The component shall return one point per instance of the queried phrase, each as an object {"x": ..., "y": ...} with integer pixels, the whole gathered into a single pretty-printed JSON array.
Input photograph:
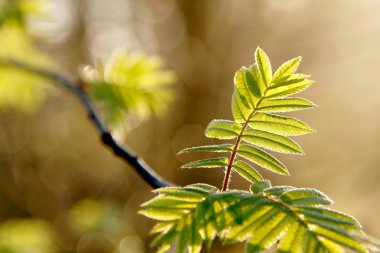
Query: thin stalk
[{"x": 227, "y": 175}]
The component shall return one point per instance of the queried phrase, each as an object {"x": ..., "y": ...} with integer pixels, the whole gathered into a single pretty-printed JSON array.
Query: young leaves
[
  {"x": 130, "y": 84},
  {"x": 196, "y": 214},
  {"x": 19, "y": 89},
  {"x": 258, "y": 96}
]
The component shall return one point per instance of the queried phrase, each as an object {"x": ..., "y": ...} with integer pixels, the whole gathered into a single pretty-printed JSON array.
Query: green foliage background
[{"x": 50, "y": 160}]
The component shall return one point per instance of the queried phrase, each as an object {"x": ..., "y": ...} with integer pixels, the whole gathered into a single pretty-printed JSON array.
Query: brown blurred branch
[{"x": 137, "y": 163}]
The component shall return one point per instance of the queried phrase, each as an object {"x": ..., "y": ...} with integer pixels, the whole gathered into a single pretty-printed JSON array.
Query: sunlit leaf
[
  {"x": 260, "y": 219},
  {"x": 246, "y": 171},
  {"x": 286, "y": 70},
  {"x": 281, "y": 125},
  {"x": 305, "y": 197},
  {"x": 130, "y": 84},
  {"x": 284, "y": 105},
  {"x": 271, "y": 141},
  {"x": 207, "y": 163},
  {"x": 223, "y": 129},
  {"x": 264, "y": 66},
  {"x": 262, "y": 159},
  {"x": 211, "y": 148}
]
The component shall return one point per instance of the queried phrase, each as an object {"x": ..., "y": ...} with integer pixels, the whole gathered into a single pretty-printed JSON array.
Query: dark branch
[{"x": 138, "y": 164}]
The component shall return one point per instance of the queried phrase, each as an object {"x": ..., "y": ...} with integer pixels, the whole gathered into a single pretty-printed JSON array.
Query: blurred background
[{"x": 62, "y": 191}]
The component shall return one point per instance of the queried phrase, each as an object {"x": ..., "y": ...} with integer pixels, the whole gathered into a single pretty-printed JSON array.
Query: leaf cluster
[
  {"x": 259, "y": 96},
  {"x": 130, "y": 84},
  {"x": 19, "y": 89},
  {"x": 296, "y": 219}
]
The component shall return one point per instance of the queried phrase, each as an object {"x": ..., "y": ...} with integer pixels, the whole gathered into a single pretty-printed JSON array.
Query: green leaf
[
  {"x": 165, "y": 239},
  {"x": 264, "y": 66},
  {"x": 246, "y": 171},
  {"x": 130, "y": 84},
  {"x": 305, "y": 196},
  {"x": 19, "y": 89},
  {"x": 240, "y": 107},
  {"x": 327, "y": 215},
  {"x": 293, "y": 239},
  {"x": 223, "y": 129},
  {"x": 207, "y": 163},
  {"x": 284, "y": 105},
  {"x": 277, "y": 190},
  {"x": 343, "y": 239},
  {"x": 289, "y": 87},
  {"x": 286, "y": 70},
  {"x": 211, "y": 148},
  {"x": 273, "y": 142},
  {"x": 269, "y": 233},
  {"x": 260, "y": 219},
  {"x": 247, "y": 85},
  {"x": 162, "y": 226},
  {"x": 203, "y": 188},
  {"x": 260, "y": 186},
  {"x": 286, "y": 126},
  {"x": 178, "y": 193},
  {"x": 262, "y": 159}
]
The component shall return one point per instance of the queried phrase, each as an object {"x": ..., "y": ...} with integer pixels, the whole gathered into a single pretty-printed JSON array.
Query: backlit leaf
[
  {"x": 305, "y": 197},
  {"x": 207, "y": 163},
  {"x": 211, "y": 148},
  {"x": 284, "y": 105},
  {"x": 281, "y": 125},
  {"x": 264, "y": 66},
  {"x": 286, "y": 69},
  {"x": 271, "y": 141},
  {"x": 246, "y": 171},
  {"x": 262, "y": 159},
  {"x": 223, "y": 129}
]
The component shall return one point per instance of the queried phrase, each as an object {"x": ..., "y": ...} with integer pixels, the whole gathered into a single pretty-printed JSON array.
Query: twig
[{"x": 138, "y": 164}]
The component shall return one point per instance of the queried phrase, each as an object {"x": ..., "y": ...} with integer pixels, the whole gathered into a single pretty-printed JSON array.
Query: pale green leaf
[
  {"x": 260, "y": 186},
  {"x": 284, "y": 105},
  {"x": 270, "y": 141},
  {"x": 240, "y": 107},
  {"x": 168, "y": 203},
  {"x": 207, "y": 163},
  {"x": 247, "y": 85},
  {"x": 211, "y": 148},
  {"x": 130, "y": 84},
  {"x": 259, "y": 79},
  {"x": 293, "y": 239},
  {"x": 286, "y": 69},
  {"x": 181, "y": 194},
  {"x": 203, "y": 188},
  {"x": 262, "y": 159},
  {"x": 246, "y": 171},
  {"x": 162, "y": 226},
  {"x": 269, "y": 233},
  {"x": 288, "y": 87},
  {"x": 286, "y": 126},
  {"x": 304, "y": 196},
  {"x": 264, "y": 66},
  {"x": 254, "y": 218},
  {"x": 223, "y": 129},
  {"x": 331, "y": 246},
  {"x": 328, "y": 215},
  {"x": 277, "y": 190},
  {"x": 340, "y": 238},
  {"x": 164, "y": 239},
  {"x": 163, "y": 214}
]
